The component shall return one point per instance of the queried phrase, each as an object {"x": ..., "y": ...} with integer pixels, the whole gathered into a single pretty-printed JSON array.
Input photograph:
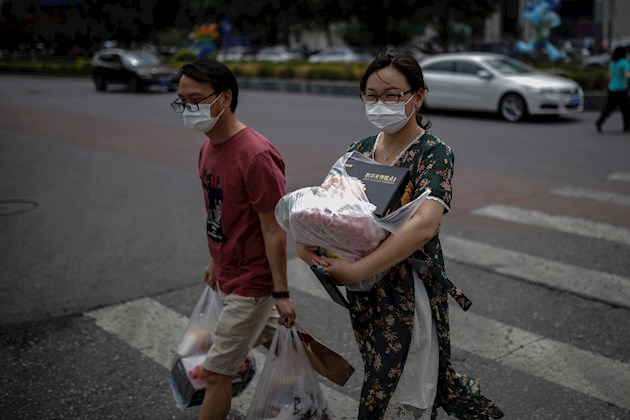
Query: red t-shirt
[{"x": 241, "y": 177}]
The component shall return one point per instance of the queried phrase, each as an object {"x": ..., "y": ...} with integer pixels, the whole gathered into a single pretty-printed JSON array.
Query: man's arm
[{"x": 275, "y": 248}]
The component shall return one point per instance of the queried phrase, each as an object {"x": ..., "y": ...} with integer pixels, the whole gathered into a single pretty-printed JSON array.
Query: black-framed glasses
[
  {"x": 190, "y": 106},
  {"x": 387, "y": 98}
]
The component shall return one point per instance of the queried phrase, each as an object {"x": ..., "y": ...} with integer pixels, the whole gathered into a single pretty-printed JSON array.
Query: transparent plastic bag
[
  {"x": 199, "y": 334},
  {"x": 288, "y": 388},
  {"x": 338, "y": 217}
]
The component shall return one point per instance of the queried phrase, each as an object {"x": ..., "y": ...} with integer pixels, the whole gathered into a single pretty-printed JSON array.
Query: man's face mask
[{"x": 201, "y": 120}]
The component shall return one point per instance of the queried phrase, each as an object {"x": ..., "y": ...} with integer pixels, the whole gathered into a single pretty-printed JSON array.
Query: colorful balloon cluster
[
  {"x": 541, "y": 15},
  {"x": 204, "y": 39}
]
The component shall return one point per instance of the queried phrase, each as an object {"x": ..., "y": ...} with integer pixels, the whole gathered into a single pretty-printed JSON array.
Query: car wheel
[
  {"x": 135, "y": 85},
  {"x": 100, "y": 83},
  {"x": 512, "y": 107}
]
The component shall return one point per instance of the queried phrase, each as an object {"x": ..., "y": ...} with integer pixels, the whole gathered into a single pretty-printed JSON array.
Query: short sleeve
[
  {"x": 265, "y": 181},
  {"x": 435, "y": 171}
]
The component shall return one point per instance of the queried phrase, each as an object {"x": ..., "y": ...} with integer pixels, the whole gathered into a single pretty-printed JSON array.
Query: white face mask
[
  {"x": 201, "y": 120},
  {"x": 388, "y": 118}
]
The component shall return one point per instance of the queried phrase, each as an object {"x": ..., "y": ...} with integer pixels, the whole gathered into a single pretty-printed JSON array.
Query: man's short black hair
[{"x": 214, "y": 73}]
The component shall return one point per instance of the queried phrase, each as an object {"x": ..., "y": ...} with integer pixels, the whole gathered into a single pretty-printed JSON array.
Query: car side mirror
[{"x": 484, "y": 74}]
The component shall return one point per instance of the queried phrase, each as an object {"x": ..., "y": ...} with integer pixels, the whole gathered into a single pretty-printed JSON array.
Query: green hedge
[{"x": 588, "y": 79}]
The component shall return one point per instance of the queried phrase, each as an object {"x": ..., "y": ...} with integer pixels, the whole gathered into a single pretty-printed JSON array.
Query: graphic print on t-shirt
[{"x": 215, "y": 197}]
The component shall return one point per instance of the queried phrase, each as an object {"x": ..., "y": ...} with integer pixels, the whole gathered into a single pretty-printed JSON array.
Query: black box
[
  {"x": 326, "y": 280},
  {"x": 187, "y": 392},
  {"x": 385, "y": 185}
]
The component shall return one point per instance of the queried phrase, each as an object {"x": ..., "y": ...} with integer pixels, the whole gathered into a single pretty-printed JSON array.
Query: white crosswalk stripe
[
  {"x": 597, "y": 195},
  {"x": 155, "y": 331},
  {"x": 582, "y": 281},
  {"x": 567, "y": 224},
  {"x": 620, "y": 176}
]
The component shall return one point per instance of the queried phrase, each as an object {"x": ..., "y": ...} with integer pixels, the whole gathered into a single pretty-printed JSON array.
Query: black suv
[{"x": 138, "y": 69}]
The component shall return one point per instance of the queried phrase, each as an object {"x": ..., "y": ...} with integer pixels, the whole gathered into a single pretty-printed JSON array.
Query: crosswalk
[{"x": 151, "y": 327}]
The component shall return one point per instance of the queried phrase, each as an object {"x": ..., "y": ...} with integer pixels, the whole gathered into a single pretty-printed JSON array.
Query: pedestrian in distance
[
  {"x": 618, "y": 74},
  {"x": 242, "y": 176},
  {"x": 401, "y": 324}
]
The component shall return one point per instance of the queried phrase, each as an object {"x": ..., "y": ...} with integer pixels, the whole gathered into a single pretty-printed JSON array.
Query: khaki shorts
[{"x": 245, "y": 323}]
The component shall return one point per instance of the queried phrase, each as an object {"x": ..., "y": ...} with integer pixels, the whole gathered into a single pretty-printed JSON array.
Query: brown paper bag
[{"x": 325, "y": 361}]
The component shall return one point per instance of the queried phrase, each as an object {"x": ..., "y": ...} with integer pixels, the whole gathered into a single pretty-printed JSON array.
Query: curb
[{"x": 593, "y": 100}]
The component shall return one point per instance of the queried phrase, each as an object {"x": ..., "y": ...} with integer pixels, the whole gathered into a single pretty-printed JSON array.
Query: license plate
[
  {"x": 574, "y": 102},
  {"x": 165, "y": 81}
]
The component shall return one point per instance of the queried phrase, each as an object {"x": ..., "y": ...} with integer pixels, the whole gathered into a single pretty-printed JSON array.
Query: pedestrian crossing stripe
[
  {"x": 567, "y": 224},
  {"x": 596, "y": 195},
  {"x": 585, "y": 282},
  {"x": 620, "y": 176},
  {"x": 155, "y": 330}
]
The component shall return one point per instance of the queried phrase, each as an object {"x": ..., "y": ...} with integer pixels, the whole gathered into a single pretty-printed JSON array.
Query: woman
[
  {"x": 618, "y": 74},
  {"x": 401, "y": 324}
]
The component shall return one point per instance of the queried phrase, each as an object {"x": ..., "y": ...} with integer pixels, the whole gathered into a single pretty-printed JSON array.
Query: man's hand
[
  {"x": 286, "y": 310},
  {"x": 208, "y": 276}
]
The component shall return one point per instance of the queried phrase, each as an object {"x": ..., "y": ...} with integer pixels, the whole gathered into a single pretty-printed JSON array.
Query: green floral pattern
[{"x": 382, "y": 318}]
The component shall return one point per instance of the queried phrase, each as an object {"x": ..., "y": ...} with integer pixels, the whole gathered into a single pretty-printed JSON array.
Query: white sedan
[{"x": 497, "y": 83}]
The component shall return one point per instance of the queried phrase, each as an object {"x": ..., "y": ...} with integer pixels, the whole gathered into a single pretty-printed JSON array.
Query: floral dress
[{"x": 383, "y": 318}]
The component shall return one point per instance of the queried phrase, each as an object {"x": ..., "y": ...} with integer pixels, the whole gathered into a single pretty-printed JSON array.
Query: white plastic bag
[
  {"x": 338, "y": 217},
  {"x": 288, "y": 388},
  {"x": 199, "y": 334}
]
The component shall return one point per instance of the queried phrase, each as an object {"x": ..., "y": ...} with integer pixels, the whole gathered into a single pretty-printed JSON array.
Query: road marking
[
  {"x": 620, "y": 176},
  {"x": 582, "y": 281},
  {"x": 580, "y": 370},
  {"x": 155, "y": 330},
  {"x": 597, "y": 195},
  {"x": 574, "y": 225}
]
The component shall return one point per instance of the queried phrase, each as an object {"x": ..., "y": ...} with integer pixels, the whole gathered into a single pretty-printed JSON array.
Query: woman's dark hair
[
  {"x": 618, "y": 54},
  {"x": 214, "y": 73},
  {"x": 407, "y": 65}
]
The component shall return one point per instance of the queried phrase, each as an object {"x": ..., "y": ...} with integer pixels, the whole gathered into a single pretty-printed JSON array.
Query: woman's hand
[
  {"x": 308, "y": 254},
  {"x": 343, "y": 272}
]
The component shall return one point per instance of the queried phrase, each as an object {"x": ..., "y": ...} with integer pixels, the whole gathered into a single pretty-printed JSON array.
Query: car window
[
  {"x": 140, "y": 59},
  {"x": 444, "y": 66},
  {"x": 509, "y": 66},
  {"x": 467, "y": 67}
]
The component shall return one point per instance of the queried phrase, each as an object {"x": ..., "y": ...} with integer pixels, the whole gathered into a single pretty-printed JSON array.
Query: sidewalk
[{"x": 593, "y": 101}]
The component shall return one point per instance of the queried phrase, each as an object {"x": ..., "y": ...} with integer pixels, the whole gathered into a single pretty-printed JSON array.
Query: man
[{"x": 242, "y": 175}]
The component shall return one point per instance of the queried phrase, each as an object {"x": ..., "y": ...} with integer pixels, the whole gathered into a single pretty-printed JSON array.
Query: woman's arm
[{"x": 419, "y": 230}]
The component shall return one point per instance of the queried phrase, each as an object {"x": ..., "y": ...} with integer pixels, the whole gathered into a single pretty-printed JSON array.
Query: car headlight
[{"x": 548, "y": 92}]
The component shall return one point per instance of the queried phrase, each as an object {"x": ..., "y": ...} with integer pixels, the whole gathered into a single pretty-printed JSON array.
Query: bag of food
[
  {"x": 187, "y": 375},
  {"x": 288, "y": 388},
  {"x": 337, "y": 216}
]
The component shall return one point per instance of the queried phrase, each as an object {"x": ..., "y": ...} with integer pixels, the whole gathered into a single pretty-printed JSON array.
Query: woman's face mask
[
  {"x": 201, "y": 120},
  {"x": 388, "y": 118}
]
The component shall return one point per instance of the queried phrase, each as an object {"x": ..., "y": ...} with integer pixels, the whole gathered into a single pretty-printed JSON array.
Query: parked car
[
  {"x": 138, "y": 69},
  {"x": 234, "y": 53},
  {"x": 602, "y": 60},
  {"x": 497, "y": 83},
  {"x": 337, "y": 55},
  {"x": 276, "y": 54}
]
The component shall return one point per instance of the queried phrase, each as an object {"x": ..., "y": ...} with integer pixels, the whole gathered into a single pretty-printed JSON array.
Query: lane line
[
  {"x": 573, "y": 225},
  {"x": 620, "y": 176},
  {"x": 582, "y": 281},
  {"x": 596, "y": 195},
  {"x": 155, "y": 330}
]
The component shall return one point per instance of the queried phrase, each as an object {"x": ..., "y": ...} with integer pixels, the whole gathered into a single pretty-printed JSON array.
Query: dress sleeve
[
  {"x": 265, "y": 181},
  {"x": 436, "y": 171}
]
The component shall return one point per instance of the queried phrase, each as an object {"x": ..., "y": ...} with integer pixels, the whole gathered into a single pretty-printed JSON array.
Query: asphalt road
[{"x": 102, "y": 250}]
